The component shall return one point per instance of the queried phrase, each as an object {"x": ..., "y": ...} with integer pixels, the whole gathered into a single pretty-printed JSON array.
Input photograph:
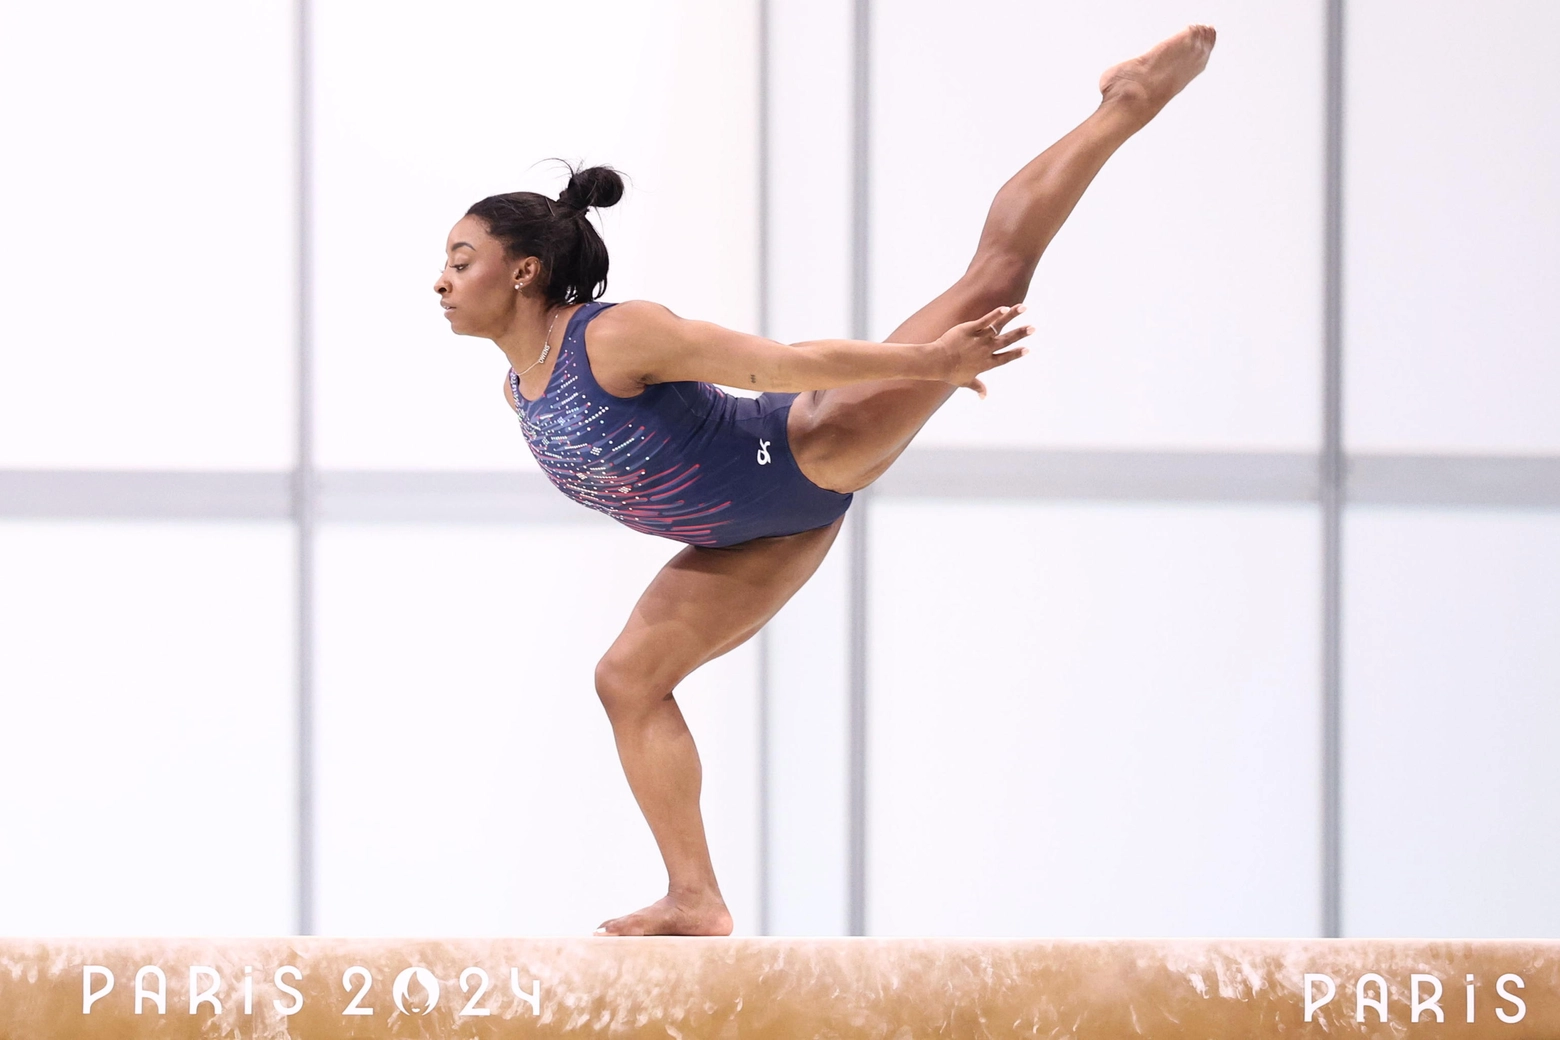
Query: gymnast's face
[{"x": 477, "y": 286}]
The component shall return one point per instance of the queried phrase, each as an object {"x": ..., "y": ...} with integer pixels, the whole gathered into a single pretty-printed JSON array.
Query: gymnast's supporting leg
[
  {"x": 845, "y": 438},
  {"x": 702, "y": 604}
]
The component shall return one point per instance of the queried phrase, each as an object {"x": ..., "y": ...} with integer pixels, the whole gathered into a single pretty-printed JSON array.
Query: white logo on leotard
[{"x": 763, "y": 453}]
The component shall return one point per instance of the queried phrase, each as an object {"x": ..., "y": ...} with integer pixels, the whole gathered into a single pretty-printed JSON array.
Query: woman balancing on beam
[{"x": 616, "y": 404}]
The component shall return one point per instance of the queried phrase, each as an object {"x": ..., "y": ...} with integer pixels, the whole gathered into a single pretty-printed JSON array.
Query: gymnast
[{"x": 617, "y": 404}]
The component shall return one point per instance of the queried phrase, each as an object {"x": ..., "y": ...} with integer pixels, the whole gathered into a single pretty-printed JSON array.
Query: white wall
[
  {"x": 1093, "y": 719},
  {"x": 1452, "y": 228},
  {"x": 147, "y": 754},
  {"x": 1452, "y": 710},
  {"x": 147, "y": 669},
  {"x": 1450, "y": 672},
  {"x": 149, "y": 217},
  {"x": 807, "y": 232}
]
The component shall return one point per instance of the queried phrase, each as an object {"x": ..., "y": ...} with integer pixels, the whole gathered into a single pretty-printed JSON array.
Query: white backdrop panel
[
  {"x": 809, "y": 176},
  {"x": 148, "y": 211},
  {"x": 148, "y": 743},
  {"x": 1106, "y": 723},
  {"x": 1451, "y": 699},
  {"x": 808, "y": 728},
  {"x": 1181, "y": 305},
  {"x": 665, "y": 92},
  {"x": 1452, "y": 227},
  {"x": 808, "y": 237},
  {"x": 468, "y": 782}
]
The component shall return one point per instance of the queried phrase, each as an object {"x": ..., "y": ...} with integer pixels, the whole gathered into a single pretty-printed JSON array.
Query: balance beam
[{"x": 893, "y": 989}]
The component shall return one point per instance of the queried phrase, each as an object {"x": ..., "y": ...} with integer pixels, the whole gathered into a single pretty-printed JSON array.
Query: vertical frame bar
[
  {"x": 1332, "y": 481},
  {"x": 765, "y": 838},
  {"x": 861, "y": 115},
  {"x": 303, "y": 490}
]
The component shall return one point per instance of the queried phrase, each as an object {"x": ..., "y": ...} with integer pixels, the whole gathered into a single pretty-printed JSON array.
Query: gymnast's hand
[{"x": 977, "y": 346}]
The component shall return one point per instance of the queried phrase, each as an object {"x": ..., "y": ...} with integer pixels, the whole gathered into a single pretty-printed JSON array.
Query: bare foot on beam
[{"x": 705, "y": 915}]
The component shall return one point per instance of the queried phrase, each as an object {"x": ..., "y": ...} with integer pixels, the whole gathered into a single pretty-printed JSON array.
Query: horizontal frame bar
[
  {"x": 1450, "y": 480},
  {"x": 473, "y": 497},
  {"x": 145, "y": 495},
  {"x": 1111, "y": 475},
  {"x": 367, "y": 496}
]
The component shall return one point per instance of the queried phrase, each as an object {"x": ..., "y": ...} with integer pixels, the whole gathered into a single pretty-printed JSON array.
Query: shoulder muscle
[{"x": 626, "y": 342}]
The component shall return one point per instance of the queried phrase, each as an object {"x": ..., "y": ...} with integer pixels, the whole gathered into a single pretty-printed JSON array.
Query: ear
[{"x": 527, "y": 270}]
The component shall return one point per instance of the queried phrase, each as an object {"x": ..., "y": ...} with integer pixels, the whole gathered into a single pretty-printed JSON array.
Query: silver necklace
[{"x": 546, "y": 346}]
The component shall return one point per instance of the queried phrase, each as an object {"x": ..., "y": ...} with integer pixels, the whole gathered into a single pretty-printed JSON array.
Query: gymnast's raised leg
[
  {"x": 845, "y": 438},
  {"x": 706, "y": 602}
]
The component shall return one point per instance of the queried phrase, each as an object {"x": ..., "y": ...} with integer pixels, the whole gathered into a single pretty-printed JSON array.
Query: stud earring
[{"x": 519, "y": 286}]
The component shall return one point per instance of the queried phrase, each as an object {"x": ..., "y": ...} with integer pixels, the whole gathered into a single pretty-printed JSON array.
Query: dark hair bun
[
  {"x": 557, "y": 232},
  {"x": 593, "y": 186}
]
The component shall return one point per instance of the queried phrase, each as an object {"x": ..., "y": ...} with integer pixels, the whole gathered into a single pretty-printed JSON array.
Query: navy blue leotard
[{"x": 682, "y": 460}]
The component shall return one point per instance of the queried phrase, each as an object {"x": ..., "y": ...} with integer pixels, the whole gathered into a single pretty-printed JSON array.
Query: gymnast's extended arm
[{"x": 644, "y": 343}]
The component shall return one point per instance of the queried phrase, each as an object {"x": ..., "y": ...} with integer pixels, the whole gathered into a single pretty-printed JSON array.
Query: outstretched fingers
[
  {"x": 999, "y": 317},
  {"x": 1012, "y": 336},
  {"x": 977, "y": 346},
  {"x": 992, "y": 325},
  {"x": 1001, "y": 356}
]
